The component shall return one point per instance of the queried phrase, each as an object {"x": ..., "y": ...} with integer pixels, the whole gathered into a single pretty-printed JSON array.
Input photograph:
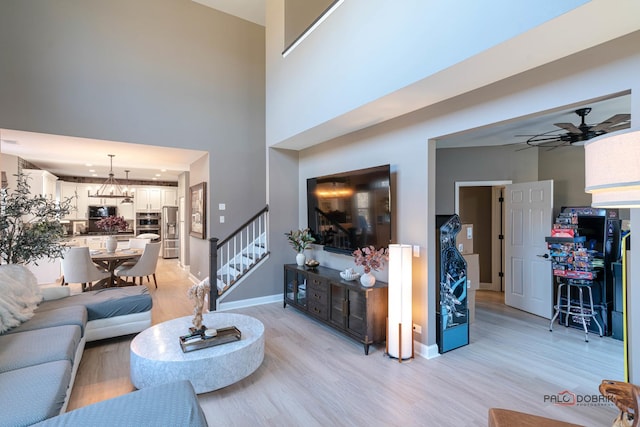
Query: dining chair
[
  {"x": 77, "y": 267},
  {"x": 146, "y": 265},
  {"x": 138, "y": 243},
  {"x": 151, "y": 236},
  {"x": 135, "y": 243}
]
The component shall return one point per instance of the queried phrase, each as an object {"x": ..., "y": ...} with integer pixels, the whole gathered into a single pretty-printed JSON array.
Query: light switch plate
[
  {"x": 469, "y": 233},
  {"x": 222, "y": 206},
  {"x": 460, "y": 247},
  {"x": 416, "y": 251}
]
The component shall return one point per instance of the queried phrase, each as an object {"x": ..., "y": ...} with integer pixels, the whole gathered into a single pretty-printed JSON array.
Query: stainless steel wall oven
[{"x": 148, "y": 222}]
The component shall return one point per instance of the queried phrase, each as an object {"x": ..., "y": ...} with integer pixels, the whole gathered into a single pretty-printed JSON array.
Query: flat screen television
[{"x": 350, "y": 210}]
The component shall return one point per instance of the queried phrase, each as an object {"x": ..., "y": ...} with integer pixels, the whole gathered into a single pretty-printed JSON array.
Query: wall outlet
[
  {"x": 417, "y": 328},
  {"x": 221, "y": 219}
]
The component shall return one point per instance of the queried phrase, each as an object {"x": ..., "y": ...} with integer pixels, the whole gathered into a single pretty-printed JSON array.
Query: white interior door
[{"x": 528, "y": 279}]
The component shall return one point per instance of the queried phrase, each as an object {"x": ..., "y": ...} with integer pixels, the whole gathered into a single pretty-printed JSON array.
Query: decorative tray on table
[{"x": 198, "y": 340}]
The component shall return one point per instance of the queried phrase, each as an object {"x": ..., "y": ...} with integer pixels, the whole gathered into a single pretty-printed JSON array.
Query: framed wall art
[{"x": 198, "y": 222}]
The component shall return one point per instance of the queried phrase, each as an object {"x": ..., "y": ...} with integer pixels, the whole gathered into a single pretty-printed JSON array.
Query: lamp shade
[
  {"x": 400, "y": 327},
  {"x": 612, "y": 170}
]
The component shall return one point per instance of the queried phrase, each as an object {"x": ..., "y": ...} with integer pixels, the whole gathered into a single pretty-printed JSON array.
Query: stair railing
[{"x": 234, "y": 256}]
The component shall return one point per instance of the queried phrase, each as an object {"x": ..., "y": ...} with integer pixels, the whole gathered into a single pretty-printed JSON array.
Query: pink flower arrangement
[
  {"x": 112, "y": 224},
  {"x": 370, "y": 258}
]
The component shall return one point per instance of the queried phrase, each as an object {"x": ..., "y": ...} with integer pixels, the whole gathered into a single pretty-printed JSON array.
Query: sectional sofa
[{"x": 42, "y": 336}]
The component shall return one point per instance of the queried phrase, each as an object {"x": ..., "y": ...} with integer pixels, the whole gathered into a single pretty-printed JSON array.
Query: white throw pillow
[{"x": 19, "y": 295}]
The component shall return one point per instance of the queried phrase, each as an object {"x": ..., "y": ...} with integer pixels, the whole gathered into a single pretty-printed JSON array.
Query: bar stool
[{"x": 576, "y": 309}]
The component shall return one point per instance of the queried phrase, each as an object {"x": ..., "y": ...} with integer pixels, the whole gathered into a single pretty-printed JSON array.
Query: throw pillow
[{"x": 19, "y": 295}]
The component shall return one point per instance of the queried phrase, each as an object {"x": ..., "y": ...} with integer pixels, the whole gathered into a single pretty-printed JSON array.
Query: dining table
[{"x": 112, "y": 260}]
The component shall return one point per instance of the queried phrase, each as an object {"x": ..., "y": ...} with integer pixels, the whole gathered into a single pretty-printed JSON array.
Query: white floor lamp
[{"x": 400, "y": 313}]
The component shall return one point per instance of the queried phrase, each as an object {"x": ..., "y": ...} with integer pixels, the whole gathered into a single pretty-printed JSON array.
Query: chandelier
[{"x": 110, "y": 189}]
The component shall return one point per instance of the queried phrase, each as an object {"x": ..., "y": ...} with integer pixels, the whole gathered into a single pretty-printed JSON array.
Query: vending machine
[{"x": 452, "y": 318}]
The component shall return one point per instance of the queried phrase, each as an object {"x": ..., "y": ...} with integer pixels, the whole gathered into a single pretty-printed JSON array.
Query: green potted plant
[
  {"x": 30, "y": 227},
  {"x": 299, "y": 241}
]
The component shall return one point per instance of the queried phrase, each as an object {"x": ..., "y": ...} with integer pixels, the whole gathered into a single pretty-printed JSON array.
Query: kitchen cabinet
[
  {"x": 357, "y": 312},
  {"x": 148, "y": 199},
  {"x": 42, "y": 182},
  {"x": 169, "y": 197},
  {"x": 80, "y": 199}
]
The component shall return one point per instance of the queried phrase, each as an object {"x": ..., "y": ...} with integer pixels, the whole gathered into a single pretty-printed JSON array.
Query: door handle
[{"x": 544, "y": 256}]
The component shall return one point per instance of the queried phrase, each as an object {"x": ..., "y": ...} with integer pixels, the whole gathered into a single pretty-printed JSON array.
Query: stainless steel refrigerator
[{"x": 170, "y": 234}]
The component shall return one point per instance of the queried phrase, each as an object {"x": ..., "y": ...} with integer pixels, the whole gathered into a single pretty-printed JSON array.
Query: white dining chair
[
  {"x": 138, "y": 243},
  {"x": 135, "y": 243},
  {"x": 77, "y": 267},
  {"x": 145, "y": 267},
  {"x": 151, "y": 236}
]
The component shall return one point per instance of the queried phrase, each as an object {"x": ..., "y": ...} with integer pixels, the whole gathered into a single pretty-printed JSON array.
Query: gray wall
[
  {"x": 480, "y": 164},
  {"x": 158, "y": 72}
]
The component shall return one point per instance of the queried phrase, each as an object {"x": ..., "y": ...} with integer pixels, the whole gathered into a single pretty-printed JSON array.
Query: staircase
[{"x": 233, "y": 258}]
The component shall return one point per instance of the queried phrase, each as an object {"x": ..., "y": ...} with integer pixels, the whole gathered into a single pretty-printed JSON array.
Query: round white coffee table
[{"x": 157, "y": 358}]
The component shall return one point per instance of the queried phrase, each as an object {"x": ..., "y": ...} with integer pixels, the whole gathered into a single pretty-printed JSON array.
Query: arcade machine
[{"x": 452, "y": 320}]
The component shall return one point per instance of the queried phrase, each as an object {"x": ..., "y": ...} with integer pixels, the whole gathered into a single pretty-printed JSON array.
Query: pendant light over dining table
[{"x": 111, "y": 189}]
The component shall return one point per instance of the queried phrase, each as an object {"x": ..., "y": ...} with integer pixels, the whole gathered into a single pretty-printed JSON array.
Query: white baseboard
[
  {"x": 250, "y": 302},
  {"x": 194, "y": 279},
  {"x": 425, "y": 351}
]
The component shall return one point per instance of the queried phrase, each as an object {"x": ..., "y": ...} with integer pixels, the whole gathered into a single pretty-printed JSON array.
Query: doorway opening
[{"x": 480, "y": 203}]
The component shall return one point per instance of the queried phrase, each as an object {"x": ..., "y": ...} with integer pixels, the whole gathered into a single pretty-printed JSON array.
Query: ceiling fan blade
[
  {"x": 611, "y": 121},
  {"x": 619, "y": 127},
  {"x": 569, "y": 127},
  {"x": 550, "y": 138}
]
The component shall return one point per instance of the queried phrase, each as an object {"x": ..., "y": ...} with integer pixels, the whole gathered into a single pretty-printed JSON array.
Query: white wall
[{"x": 364, "y": 53}]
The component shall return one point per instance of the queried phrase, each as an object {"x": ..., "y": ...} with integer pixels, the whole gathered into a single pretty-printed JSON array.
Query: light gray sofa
[{"x": 42, "y": 336}]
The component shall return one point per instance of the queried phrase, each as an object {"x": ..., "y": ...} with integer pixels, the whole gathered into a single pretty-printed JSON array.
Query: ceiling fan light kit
[
  {"x": 578, "y": 134},
  {"x": 111, "y": 189}
]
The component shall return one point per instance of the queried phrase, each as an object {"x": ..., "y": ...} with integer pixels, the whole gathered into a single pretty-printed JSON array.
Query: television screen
[{"x": 350, "y": 210}]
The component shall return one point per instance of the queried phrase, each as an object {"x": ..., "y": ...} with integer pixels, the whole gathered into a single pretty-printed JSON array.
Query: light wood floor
[{"x": 313, "y": 376}]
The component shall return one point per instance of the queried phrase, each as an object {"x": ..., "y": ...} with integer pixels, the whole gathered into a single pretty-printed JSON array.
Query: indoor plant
[
  {"x": 30, "y": 227},
  {"x": 112, "y": 224},
  {"x": 300, "y": 240},
  {"x": 370, "y": 258}
]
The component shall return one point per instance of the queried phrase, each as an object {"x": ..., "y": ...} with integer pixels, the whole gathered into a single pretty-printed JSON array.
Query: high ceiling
[{"x": 69, "y": 156}]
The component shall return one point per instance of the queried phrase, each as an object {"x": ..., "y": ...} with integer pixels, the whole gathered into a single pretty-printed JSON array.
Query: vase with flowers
[
  {"x": 112, "y": 225},
  {"x": 370, "y": 258},
  {"x": 299, "y": 241}
]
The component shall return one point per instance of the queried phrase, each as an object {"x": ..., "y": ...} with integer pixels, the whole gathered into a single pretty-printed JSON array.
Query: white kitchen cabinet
[
  {"x": 95, "y": 242},
  {"x": 148, "y": 199},
  {"x": 79, "y": 204},
  {"x": 169, "y": 197},
  {"x": 47, "y": 271},
  {"x": 41, "y": 182}
]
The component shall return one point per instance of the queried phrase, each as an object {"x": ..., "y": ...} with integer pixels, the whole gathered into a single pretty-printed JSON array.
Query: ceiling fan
[{"x": 568, "y": 133}]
